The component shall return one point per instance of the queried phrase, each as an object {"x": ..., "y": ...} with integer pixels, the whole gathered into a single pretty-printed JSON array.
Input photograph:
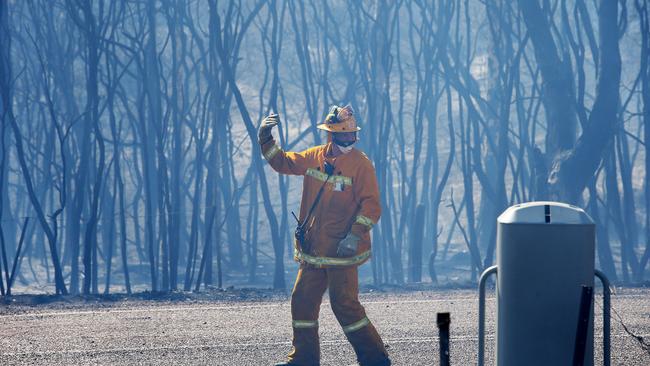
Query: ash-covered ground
[{"x": 253, "y": 327}]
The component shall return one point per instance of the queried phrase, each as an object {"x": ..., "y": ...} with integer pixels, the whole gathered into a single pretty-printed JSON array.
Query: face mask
[
  {"x": 344, "y": 146},
  {"x": 345, "y": 149},
  {"x": 344, "y": 143}
]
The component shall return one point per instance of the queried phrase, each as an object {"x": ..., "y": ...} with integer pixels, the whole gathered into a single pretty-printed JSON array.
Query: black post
[
  {"x": 443, "y": 320},
  {"x": 583, "y": 326}
]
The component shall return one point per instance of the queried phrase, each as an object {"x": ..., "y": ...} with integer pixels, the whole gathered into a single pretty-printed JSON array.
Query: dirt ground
[{"x": 253, "y": 327}]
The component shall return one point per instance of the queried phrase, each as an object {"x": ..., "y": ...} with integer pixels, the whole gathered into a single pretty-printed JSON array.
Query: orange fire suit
[{"x": 349, "y": 202}]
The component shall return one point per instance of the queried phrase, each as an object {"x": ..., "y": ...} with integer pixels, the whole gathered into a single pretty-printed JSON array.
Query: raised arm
[{"x": 295, "y": 163}]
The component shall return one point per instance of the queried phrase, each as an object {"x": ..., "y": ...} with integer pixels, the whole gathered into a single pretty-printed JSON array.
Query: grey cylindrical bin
[{"x": 545, "y": 254}]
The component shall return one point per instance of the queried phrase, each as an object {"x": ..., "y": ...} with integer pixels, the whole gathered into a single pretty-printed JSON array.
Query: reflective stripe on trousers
[
  {"x": 356, "y": 325},
  {"x": 300, "y": 324}
]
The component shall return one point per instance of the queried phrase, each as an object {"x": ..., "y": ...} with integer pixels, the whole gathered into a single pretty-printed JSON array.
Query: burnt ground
[{"x": 252, "y": 327}]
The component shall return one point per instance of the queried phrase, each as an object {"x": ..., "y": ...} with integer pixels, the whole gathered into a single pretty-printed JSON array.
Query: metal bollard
[
  {"x": 545, "y": 252},
  {"x": 607, "y": 359},
  {"x": 443, "y": 320},
  {"x": 606, "y": 315},
  {"x": 481, "y": 312},
  {"x": 582, "y": 328}
]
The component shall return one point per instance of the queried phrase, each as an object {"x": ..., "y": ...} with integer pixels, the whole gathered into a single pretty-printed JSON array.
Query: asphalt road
[{"x": 258, "y": 332}]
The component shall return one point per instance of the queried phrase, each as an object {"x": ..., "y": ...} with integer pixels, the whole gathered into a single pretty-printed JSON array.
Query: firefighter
[{"x": 340, "y": 204}]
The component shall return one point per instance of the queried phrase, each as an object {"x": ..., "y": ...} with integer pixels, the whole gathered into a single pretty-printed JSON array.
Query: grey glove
[
  {"x": 270, "y": 121},
  {"x": 348, "y": 246}
]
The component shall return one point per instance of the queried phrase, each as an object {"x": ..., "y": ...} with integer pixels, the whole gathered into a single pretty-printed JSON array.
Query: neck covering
[{"x": 345, "y": 149}]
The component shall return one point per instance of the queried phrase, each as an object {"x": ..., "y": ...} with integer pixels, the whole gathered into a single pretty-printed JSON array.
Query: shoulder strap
[{"x": 313, "y": 206}]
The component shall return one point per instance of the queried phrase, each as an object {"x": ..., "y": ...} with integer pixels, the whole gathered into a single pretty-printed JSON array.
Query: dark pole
[
  {"x": 443, "y": 320},
  {"x": 583, "y": 326}
]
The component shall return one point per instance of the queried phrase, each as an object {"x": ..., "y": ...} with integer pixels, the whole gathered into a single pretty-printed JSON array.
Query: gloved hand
[
  {"x": 264, "y": 133},
  {"x": 348, "y": 246}
]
